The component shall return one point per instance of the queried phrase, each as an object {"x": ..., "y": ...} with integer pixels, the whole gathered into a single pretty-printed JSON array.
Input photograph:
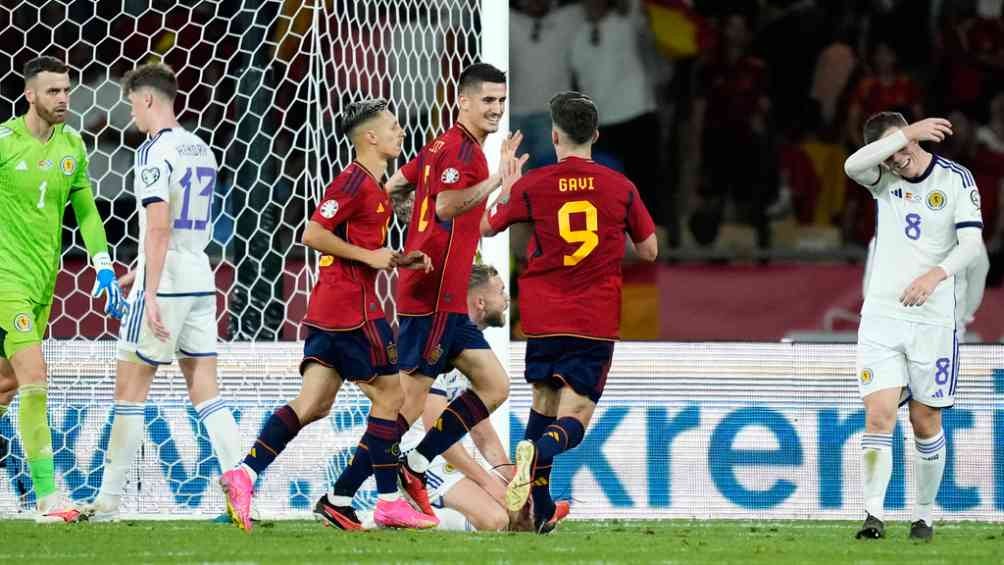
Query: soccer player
[
  {"x": 174, "y": 295},
  {"x": 570, "y": 293},
  {"x": 929, "y": 229},
  {"x": 43, "y": 166},
  {"x": 451, "y": 182},
  {"x": 348, "y": 336},
  {"x": 465, "y": 493}
]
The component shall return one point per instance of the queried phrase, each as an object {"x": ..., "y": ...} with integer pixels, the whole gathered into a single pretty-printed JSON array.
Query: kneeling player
[
  {"x": 349, "y": 337},
  {"x": 570, "y": 294},
  {"x": 174, "y": 299}
]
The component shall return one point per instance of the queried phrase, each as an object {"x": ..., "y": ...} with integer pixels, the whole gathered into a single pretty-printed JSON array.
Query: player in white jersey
[
  {"x": 173, "y": 299},
  {"x": 467, "y": 494},
  {"x": 929, "y": 229}
]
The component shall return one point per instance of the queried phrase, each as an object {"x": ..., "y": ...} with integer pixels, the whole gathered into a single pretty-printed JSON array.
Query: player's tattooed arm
[{"x": 454, "y": 203}]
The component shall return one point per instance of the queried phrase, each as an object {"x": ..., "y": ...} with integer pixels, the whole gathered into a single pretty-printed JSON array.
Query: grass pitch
[{"x": 611, "y": 541}]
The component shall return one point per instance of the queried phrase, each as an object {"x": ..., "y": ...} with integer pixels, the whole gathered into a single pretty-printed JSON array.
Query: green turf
[{"x": 576, "y": 542}]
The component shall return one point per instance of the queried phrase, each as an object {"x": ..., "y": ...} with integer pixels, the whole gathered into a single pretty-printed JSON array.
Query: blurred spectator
[
  {"x": 812, "y": 172},
  {"x": 540, "y": 66},
  {"x": 834, "y": 67},
  {"x": 729, "y": 126},
  {"x": 884, "y": 87},
  {"x": 988, "y": 170},
  {"x": 974, "y": 58},
  {"x": 608, "y": 64}
]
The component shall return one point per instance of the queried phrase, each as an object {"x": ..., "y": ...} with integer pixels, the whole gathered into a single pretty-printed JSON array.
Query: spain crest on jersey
[{"x": 936, "y": 200}]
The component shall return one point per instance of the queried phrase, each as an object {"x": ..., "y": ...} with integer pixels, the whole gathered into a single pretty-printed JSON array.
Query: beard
[
  {"x": 494, "y": 319},
  {"x": 50, "y": 115}
]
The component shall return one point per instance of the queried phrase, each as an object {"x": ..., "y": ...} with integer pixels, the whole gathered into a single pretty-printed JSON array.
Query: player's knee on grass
[
  {"x": 489, "y": 518},
  {"x": 925, "y": 420}
]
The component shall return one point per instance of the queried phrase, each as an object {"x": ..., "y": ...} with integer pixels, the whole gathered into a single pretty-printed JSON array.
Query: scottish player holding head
[
  {"x": 570, "y": 293},
  {"x": 348, "y": 336},
  {"x": 929, "y": 230},
  {"x": 43, "y": 165}
]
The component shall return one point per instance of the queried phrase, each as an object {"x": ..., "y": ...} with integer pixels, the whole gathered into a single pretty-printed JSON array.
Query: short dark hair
[
  {"x": 575, "y": 114},
  {"x": 157, "y": 76},
  {"x": 877, "y": 124},
  {"x": 481, "y": 273},
  {"x": 474, "y": 75},
  {"x": 43, "y": 64},
  {"x": 358, "y": 113}
]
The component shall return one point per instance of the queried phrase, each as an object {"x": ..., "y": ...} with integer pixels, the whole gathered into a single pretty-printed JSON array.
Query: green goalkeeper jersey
[{"x": 36, "y": 181}]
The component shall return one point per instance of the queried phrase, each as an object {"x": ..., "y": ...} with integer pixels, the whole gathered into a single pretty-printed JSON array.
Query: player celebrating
[
  {"x": 43, "y": 165},
  {"x": 174, "y": 296},
  {"x": 467, "y": 494},
  {"x": 348, "y": 336},
  {"x": 451, "y": 181},
  {"x": 928, "y": 230},
  {"x": 570, "y": 293}
]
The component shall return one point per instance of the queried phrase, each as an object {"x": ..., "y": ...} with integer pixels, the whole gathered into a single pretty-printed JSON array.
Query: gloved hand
[{"x": 107, "y": 284}]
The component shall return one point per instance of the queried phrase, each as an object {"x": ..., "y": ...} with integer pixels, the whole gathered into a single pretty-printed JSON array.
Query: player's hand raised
[
  {"x": 930, "y": 129},
  {"x": 383, "y": 258},
  {"x": 416, "y": 260}
]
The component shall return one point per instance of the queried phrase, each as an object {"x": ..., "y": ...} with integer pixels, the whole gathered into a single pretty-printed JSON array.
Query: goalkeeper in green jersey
[{"x": 43, "y": 165}]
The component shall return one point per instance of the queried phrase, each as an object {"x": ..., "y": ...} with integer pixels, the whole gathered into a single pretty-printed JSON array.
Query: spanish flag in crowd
[{"x": 680, "y": 32}]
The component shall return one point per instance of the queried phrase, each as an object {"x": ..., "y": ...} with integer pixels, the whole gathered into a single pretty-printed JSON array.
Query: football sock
[
  {"x": 456, "y": 420},
  {"x": 224, "y": 435},
  {"x": 536, "y": 424},
  {"x": 876, "y": 467},
  {"x": 360, "y": 468},
  {"x": 36, "y": 436},
  {"x": 280, "y": 429},
  {"x": 928, "y": 468},
  {"x": 126, "y": 436},
  {"x": 381, "y": 439},
  {"x": 564, "y": 434}
]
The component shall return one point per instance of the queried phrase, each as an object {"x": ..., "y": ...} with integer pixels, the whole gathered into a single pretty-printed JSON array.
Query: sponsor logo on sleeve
[
  {"x": 68, "y": 165},
  {"x": 974, "y": 195},
  {"x": 329, "y": 208},
  {"x": 149, "y": 175}
]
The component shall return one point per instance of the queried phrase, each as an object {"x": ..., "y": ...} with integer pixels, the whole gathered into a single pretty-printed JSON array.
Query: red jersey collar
[
  {"x": 466, "y": 132},
  {"x": 584, "y": 160},
  {"x": 367, "y": 171}
]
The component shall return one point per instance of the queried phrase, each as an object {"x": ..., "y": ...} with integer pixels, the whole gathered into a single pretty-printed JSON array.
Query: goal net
[{"x": 262, "y": 82}]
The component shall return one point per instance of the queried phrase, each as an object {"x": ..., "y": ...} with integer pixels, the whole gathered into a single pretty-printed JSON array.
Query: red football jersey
[
  {"x": 356, "y": 208},
  {"x": 580, "y": 211},
  {"x": 453, "y": 161}
]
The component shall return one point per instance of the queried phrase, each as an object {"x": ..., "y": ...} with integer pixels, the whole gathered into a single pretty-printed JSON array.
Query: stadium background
[{"x": 774, "y": 254}]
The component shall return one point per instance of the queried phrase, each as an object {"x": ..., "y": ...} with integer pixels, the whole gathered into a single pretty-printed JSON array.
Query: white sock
[
  {"x": 876, "y": 470},
  {"x": 928, "y": 468},
  {"x": 453, "y": 521},
  {"x": 127, "y": 434},
  {"x": 251, "y": 472},
  {"x": 390, "y": 496},
  {"x": 417, "y": 461},
  {"x": 224, "y": 435},
  {"x": 336, "y": 500}
]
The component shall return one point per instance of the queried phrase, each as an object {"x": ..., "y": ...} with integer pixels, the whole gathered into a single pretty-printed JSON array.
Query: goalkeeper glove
[{"x": 107, "y": 284}]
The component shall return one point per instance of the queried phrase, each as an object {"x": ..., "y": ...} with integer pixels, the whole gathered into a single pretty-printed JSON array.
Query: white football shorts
[{"x": 190, "y": 318}]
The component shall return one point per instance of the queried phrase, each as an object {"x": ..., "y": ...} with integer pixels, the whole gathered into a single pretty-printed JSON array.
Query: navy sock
[
  {"x": 456, "y": 420},
  {"x": 381, "y": 438},
  {"x": 536, "y": 424},
  {"x": 402, "y": 426},
  {"x": 562, "y": 435},
  {"x": 280, "y": 429},
  {"x": 559, "y": 437},
  {"x": 361, "y": 465}
]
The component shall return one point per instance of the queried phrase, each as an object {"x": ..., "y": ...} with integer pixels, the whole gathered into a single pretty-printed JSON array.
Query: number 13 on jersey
[{"x": 586, "y": 238}]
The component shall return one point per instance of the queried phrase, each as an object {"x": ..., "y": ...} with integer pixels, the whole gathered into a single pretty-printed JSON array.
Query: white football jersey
[
  {"x": 177, "y": 167},
  {"x": 916, "y": 230}
]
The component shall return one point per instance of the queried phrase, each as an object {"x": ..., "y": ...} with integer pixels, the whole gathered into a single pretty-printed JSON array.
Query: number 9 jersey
[
  {"x": 176, "y": 167},
  {"x": 580, "y": 212}
]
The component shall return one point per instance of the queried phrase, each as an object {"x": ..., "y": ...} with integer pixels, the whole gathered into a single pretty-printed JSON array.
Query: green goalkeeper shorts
[{"x": 22, "y": 323}]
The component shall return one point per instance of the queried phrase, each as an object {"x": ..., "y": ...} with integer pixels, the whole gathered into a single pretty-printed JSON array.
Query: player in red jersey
[
  {"x": 570, "y": 293},
  {"x": 348, "y": 336},
  {"x": 451, "y": 182}
]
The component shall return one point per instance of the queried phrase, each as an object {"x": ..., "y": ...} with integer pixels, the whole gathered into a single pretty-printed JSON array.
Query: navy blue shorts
[
  {"x": 577, "y": 362},
  {"x": 358, "y": 355},
  {"x": 429, "y": 343}
]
